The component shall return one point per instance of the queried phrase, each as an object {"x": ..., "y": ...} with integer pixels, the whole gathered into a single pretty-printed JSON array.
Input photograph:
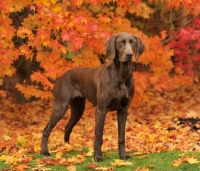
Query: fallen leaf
[
  {"x": 71, "y": 168},
  {"x": 178, "y": 162},
  {"x": 118, "y": 162},
  {"x": 143, "y": 169},
  {"x": 91, "y": 166},
  {"x": 90, "y": 153},
  {"x": 59, "y": 155},
  {"x": 192, "y": 160}
]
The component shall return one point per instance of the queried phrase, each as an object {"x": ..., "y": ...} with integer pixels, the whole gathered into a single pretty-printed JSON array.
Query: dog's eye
[
  {"x": 132, "y": 42},
  {"x": 123, "y": 42}
]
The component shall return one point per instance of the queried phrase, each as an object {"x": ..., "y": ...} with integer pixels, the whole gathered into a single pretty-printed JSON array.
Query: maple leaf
[
  {"x": 91, "y": 166},
  {"x": 59, "y": 155},
  {"x": 163, "y": 34},
  {"x": 23, "y": 32},
  {"x": 178, "y": 162},
  {"x": 65, "y": 36},
  {"x": 32, "y": 7},
  {"x": 118, "y": 162},
  {"x": 21, "y": 167},
  {"x": 104, "y": 168},
  {"x": 9, "y": 71},
  {"x": 185, "y": 34},
  {"x": 104, "y": 19},
  {"x": 37, "y": 147},
  {"x": 2, "y": 93},
  {"x": 21, "y": 140},
  {"x": 77, "y": 43},
  {"x": 4, "y": 7},
  {"x": 40, "y": 167},
  {"x": 143, "y": 169},
  {"x": 192, "y": 160},
  {"x": 71, "y": 168},
  {"x": 77, "y": 3},
  {"x": 141, "y": 9},
  {"x": 90, "y": 152}
]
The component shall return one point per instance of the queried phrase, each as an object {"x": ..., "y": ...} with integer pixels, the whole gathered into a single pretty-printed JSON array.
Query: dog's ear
[
  {"x": 110, "y": 47},
  {"x": 140, "y": 47}
]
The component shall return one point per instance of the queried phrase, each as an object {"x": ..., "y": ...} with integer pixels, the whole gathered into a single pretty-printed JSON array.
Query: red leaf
[
  {"x": 65, "y": 36},
  {"x": 91, "y": 166},
  {"x": 184, "y": 34},
  {"x": 32, "y": 7}
]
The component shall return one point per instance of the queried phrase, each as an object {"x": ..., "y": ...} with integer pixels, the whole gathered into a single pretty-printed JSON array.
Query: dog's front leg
[
  {"x": 99, "y": 126},
  {"x": 122, "y": 117}
]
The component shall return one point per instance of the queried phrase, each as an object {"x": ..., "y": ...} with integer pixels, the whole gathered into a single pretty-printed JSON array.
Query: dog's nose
[{"x": 129, "y": 55}]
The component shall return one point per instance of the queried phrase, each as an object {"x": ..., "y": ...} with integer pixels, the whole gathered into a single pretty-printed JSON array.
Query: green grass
[{"x": 154, "y": 162}]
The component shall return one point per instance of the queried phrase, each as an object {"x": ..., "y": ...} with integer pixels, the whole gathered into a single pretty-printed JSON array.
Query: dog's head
[{"x": 124, "y": 45}]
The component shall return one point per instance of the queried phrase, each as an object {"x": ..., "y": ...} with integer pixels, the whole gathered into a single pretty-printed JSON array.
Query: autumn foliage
[
  {"x": 45, "y": 38},
  {"x": 60, "y": 35}
]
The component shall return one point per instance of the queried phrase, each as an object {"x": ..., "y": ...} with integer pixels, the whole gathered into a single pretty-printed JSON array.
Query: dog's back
[{"x": 79, "y": 82}]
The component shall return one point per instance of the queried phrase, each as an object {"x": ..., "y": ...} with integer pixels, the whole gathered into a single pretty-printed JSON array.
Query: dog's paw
[
  {"x": 126, "y": 157},
  {"x": 66, "y": 139},
  {"x": 45, "y": 153},
  {"x": 98, "y": 159}
]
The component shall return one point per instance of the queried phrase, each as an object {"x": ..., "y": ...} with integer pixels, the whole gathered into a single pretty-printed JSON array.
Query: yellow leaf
[
  {"x": 192, "y": 160},
  {"x": 6, "y": 137},
  {"x": 1, "y": 81},
  {"x": 46, "y": 43},
  {"x": 21, "y": 140},
  {"x": 3, "y": 158},
  {"x": 71, "y": 168},
  {"x": 63, "y": 49},
  {"x": 59, "y": 155},
  {"x": 37, "y": 147},
  {"x": 40, "y": 167},
  {"x": 45, "y": 2},
  {"x": 57, "y": 8},
  {"x": 90, "y": 153},
  {"x": 118, "y": 162},
  {"x": 151, "y": 138},
  {"x": 102, "y": 168},
  {"x": 143, "y": 169}
]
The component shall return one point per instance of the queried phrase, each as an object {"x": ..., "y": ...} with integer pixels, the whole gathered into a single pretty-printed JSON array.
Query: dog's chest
[
  {"x": 120, "y": 98},
  {"x": 122, "y": 91}
]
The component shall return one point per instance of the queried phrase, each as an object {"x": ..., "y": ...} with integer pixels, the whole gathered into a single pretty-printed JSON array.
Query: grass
[{"x": 154, "y": 162}]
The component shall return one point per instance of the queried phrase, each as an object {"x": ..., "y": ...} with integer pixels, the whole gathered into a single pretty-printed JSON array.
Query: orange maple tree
[{"x": 60, "y": 35}]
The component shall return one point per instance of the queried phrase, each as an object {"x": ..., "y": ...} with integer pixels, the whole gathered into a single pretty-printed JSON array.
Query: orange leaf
[{"x": 163, "y": 34}]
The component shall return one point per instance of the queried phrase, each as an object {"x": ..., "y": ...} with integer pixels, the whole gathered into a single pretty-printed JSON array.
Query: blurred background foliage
[{"x": 42, "y": 39}]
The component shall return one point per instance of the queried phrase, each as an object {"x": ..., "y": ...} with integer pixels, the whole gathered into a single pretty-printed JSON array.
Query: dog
[{"x": 109, "y": 87}]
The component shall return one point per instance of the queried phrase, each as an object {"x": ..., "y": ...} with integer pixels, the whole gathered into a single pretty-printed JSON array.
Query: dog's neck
[{"x": 123, "y": 69}]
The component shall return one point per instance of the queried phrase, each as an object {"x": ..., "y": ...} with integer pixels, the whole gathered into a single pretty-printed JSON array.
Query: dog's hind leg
[
  {"x": 58, "y": 112},
  {"x": 77, "y": 108}
]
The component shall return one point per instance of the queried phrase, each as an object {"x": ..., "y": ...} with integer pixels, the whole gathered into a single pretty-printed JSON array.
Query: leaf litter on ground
[{"x": 166, "y": 121}]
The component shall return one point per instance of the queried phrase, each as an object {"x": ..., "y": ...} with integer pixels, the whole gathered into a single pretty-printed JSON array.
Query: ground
[{"x": 167, "y": 121}]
